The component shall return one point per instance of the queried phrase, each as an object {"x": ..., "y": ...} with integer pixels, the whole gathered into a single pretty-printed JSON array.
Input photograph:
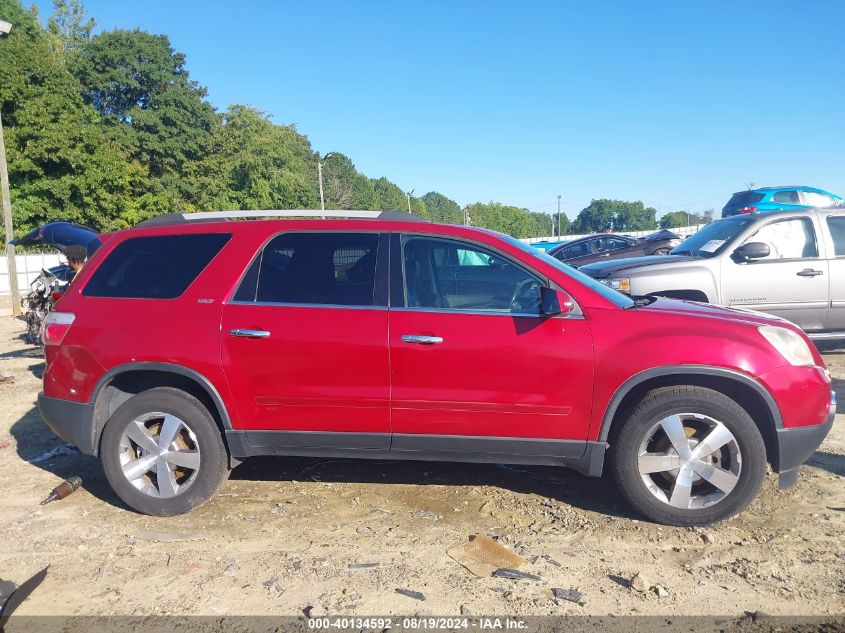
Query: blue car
[{"x": 780, "y": 199}]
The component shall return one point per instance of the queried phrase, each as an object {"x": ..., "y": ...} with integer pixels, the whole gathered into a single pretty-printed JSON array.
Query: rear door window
[
  {"x": 314, "y": 269},
  {"x": 154, "y": 267},
  {"x": 610, "y": 244},
  {"x": 579, "y": 249},
  {"x": 836, "y": 224},
  {"x": 786, "y": 197}
]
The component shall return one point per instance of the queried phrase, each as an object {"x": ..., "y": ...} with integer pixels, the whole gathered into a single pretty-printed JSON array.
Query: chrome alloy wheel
[
  {"x": 159, "y": 455},
  {"x": 689, "y": 461}
]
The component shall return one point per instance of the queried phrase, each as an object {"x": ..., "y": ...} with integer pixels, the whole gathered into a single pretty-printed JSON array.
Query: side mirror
[
  {"x": 750, "y": 251},
  {"x": 555, "y": 302}
]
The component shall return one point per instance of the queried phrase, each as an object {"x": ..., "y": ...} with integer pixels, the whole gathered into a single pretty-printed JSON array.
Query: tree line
[{"x": 109, "y": 129}]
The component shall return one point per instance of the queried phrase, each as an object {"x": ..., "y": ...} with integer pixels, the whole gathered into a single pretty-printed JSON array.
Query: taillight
[
  {"x": 748, "y": 209},
  {"x": 56, "y": 326}
]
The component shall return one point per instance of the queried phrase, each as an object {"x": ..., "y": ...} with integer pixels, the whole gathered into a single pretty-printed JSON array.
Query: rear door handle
[
  {"x": 249, "y": 333},
  {"x": 421, "y": 340},
  {"x": 809, "y": 272}
]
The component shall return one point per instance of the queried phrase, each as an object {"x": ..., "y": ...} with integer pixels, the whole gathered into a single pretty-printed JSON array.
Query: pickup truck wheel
[
  {"x": 688, "y": 456},
  {"x": 162, "y": 452}
]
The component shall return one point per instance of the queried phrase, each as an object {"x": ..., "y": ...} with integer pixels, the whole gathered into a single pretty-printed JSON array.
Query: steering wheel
[{"x": 523, "y": 290}]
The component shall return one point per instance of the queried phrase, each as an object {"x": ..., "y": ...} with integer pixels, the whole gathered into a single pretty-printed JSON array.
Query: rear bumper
[
  {"x": 795, "y": 445},
  {"x": 71, "y": 421}
]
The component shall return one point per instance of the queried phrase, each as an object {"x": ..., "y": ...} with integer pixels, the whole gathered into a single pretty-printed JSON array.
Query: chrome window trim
[
  {"x": 488, "y": 313},
  {"x": 542, "y": 279},
  {"x": 228, "y": 300},
  {"x": 334, "y": 306}
]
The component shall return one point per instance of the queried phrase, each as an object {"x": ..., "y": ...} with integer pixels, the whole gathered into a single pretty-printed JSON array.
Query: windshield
[
  {"x": 614, "y": 296},
  {"x": 710, "y": 240}
]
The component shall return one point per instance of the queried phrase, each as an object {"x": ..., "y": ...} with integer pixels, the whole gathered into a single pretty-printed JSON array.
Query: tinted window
[
  {"x": 788, "y": 239},
  {"x": 160, "y": 267},
  {"x": 453, "y": 275},
  {"x": 610, "y": 244},
  {"x": 314, "y": 268},
  {"x": 579, "y": 249},
  {"x": 786, "y": 197},
  {"x": 836, "y": 224}
]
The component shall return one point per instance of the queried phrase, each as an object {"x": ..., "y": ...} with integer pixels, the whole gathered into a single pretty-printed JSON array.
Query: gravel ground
[{"x": 282, "y": 535}]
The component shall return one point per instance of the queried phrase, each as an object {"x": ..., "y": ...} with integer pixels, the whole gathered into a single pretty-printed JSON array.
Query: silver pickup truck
[{"x": 787, "y": 263}]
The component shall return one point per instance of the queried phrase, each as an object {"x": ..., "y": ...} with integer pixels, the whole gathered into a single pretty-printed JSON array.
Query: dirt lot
[{"x": 281, "y": 535}]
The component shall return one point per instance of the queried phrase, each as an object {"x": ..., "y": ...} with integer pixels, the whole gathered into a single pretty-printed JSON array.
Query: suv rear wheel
[
  {"x": 688, "y": 456},
  {"x": 163, "y": 453}
]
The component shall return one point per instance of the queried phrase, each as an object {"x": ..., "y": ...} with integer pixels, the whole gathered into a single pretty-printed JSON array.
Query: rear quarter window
[{"x": 155, "y": 267}]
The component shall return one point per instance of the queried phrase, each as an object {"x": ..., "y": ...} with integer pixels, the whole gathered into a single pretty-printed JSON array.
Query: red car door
[
  {"x": 304, "y": 342},
  {"x": 475, "y": 367}
]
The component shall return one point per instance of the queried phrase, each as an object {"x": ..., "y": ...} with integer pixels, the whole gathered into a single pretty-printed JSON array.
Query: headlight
[
  {"x": 622, "y": 284},
  {"x": 789, "y": 344}
]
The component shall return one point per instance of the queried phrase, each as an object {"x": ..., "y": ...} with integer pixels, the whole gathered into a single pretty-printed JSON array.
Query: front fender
[{"x": 701, "y": 278}]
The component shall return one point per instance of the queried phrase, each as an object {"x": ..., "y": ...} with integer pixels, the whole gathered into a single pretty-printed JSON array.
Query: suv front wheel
[
  {"x": 688, "y": 456},
  {"x": 163, "y": 453}
]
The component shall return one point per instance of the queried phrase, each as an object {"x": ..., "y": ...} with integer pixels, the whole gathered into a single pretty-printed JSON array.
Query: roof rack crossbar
[{"x": 211, "y": 216}]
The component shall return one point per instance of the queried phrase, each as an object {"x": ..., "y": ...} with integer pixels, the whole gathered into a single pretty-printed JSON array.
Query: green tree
[
  {"x": 388, "y": 196},
  {"x": 674, "y": 219},
  {"x": 344, "y": 187},
  {"x": 615, "y": 214},
  {"x": 250, "y": 163},
  {"x": 68, "y": 28},
  {"x": 61, "y": 165},
  {"x": 442, "y": 209},
  {"x": 148, "y": 103}
]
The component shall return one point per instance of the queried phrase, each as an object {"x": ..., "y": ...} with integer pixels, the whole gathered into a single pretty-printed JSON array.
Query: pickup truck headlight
[
  {"x": 789, "y": 344},
  {"x": 622, "y": 284}
]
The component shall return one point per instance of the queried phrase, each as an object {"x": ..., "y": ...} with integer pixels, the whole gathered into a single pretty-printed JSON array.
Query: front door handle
[
  {"x": 249, "y": 333},
  {"x": 809, "y": 272},
  {"x": 421, "y": 340}
]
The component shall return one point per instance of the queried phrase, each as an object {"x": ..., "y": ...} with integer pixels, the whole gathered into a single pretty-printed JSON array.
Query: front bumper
[
  {"x": 71, "y": 421},
  {"x": 795, "y": 445}
]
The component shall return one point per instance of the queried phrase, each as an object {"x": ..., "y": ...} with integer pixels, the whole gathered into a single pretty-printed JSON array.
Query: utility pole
[
  {"x": 7, "y": 224},
  {"x": 558, "y": 216},
  {"x": 408, "y": 194},
  {"x": 320, "y": 179},
  {"x": 6, "y": 201}
]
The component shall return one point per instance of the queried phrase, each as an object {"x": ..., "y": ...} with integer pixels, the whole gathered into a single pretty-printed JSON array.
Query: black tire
[
  {"x": 662, "y": 251},
  {"x": 658, "y": 405},
  {"x": 205, "y": 438}
]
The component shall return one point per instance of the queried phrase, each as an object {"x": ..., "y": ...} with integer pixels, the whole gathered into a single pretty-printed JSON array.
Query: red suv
[{"x": 190, "y": 343}]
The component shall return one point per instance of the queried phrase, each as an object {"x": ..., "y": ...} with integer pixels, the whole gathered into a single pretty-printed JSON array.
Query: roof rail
[{"x": 215, "y": 216}]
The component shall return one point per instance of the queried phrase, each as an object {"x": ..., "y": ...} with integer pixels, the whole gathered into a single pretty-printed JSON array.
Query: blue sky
[{"x": 678, "y": 104}]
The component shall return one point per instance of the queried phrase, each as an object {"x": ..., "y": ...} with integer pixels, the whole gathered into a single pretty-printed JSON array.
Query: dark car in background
[
  {"x": 593, "y": 248},
  {"x": 780, "y": 199}
]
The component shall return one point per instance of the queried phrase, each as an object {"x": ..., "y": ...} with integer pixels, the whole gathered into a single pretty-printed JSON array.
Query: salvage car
[
  {"x": 370, "y": 335},
  {"x": 787, "y": 263},
  {"x": 611, "y": 246}
]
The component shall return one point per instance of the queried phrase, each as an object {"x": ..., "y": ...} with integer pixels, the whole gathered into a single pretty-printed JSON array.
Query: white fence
[
  {"x": 682, "y": 231},
  {"x": 28, "y": 267}
]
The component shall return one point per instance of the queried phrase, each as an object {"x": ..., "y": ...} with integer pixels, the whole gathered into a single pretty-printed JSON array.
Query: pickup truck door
[
  {"x": 835, "y": 225},
  {"x": 792, "y": 282}
]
